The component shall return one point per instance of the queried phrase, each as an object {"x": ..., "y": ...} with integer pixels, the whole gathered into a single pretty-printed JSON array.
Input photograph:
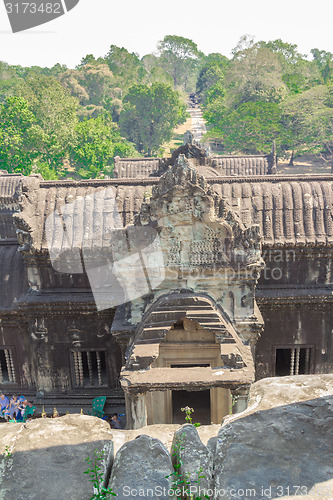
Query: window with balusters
[
  {"x": 89, "y": 368},
  {"x": 7, "y": 370},
  {"x": 293, "y": 361}
]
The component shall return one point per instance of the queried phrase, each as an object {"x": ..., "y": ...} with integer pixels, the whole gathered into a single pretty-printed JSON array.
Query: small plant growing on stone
[
  {"x": 233, "y": 402},
  {"x": 96, "y": 475},
  {"x": 178, "y": 483},
  {"x": 146, "y": 195},
  {"x": 198, "y": 481},
  {"x": 188, "y": 416},
  {"x": 8, "y": 452},
  {"x": 177, "y": 479}
]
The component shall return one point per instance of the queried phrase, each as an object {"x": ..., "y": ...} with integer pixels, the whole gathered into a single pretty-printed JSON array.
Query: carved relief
[
  {"x": 197, "y": 228},
  {"x": 174, "y": 252}
]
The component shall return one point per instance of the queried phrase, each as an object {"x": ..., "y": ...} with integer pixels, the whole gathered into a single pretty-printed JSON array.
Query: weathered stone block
[
  {"x": 141, "y": 466},
  {"x": 282, "y": 451},
  {"x": 48, "y": 457},
  {"x": 195, "y": 458}
]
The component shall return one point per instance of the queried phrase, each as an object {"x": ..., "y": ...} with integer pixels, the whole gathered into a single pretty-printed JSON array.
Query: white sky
[{"x": 215, "y": 25}]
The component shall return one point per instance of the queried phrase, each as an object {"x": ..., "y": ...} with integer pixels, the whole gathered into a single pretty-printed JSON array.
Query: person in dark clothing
[{"x": 114, "y": 422}]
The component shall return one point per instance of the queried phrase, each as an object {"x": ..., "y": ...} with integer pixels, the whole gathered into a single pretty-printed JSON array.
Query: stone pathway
[{"x": 198, "y": 124}]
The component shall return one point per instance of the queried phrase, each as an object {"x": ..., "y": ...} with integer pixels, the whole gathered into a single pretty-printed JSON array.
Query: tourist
[
  {"x": 20, "y": 408},
  {"x": 13, "y": 406},
  {"x": 4, "y": 403},
  {"x": 114, "y": 422},
  {"x": 23, "y": 403}
]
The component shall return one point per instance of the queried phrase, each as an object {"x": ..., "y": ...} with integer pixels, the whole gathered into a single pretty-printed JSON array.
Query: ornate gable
[{"x": 196, "y": 226}]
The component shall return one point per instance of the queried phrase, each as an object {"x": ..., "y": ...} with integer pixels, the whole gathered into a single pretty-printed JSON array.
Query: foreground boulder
[
  {"x": 279, "y": 452},
  {"x": 194, "y": 458},
  {"x": 48, "y": 457},
  {"x": 140, "y": 469}
]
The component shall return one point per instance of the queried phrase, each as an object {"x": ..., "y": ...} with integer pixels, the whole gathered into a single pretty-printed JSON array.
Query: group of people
[
  {"x": 14, "y": 407},
  {"x": 114, "y": 421}
]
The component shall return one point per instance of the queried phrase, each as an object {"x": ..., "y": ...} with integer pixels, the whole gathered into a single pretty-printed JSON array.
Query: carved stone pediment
[{"x": 196, "y": 226}]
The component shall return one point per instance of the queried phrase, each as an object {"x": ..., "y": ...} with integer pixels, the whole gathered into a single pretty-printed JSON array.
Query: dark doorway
[{"x": 198, "y": 400}]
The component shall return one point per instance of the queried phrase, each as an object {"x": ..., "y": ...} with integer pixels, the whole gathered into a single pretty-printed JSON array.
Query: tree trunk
[{"x": 291, "y": 161}]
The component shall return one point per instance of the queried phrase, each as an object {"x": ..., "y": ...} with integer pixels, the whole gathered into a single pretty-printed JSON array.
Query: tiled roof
[
  {"x": 241, "y": 165},
  {"x": 13, "y": 281},
  {"x": 139, "y": 168},
  {"x": 10, "y": 191},
  {"x": 135, "y": 168},
  {"x": 289, "y": 210},
  {"x": 9, "y": 187}
]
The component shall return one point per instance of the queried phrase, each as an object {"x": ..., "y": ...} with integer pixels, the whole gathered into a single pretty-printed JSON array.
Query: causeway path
[{"x": 198, "y": 128}]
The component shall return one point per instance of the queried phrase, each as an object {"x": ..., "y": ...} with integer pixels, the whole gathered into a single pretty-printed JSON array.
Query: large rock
[
  {"x": 279, "y": 452},
  {"x": 142, "y": 465},
  {"x": 196, "y": 461},
  {"x": 277, "y": 391},
  {"x": 48, "y": 457}
]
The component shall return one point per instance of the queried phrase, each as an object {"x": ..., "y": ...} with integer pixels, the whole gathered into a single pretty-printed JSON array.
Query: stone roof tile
[
  {"x": 289, "y": 211},
  {"x": 13, "y": 281}
]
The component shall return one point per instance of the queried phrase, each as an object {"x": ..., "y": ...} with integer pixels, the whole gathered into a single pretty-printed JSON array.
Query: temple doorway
[{"x": 198, "y": 400}]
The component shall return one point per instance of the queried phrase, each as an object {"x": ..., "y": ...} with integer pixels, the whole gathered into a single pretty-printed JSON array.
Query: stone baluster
[
  {"x": 307, "y": 360},
  {"x": 99, "y": 370},
  {"x": 90, "y": 370},
  {"x": 76, "y": 368},
  {"x": 10, "y": 367},
  {"x": 80, "y": 367},
  {"x": 292, "y": 361},
  {"x": 298, "y": 351}
]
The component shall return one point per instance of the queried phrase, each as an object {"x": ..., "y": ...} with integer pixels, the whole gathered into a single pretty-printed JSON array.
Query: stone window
[
  {"x": 90, "y": 368},
  {"x": 7, "y": 370},
  {"x": 293, "y": 361}
]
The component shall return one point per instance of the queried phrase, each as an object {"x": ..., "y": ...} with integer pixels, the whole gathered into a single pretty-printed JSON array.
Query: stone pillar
[
  {"x": 136, "y": 411},
  {"x": 240, "y": 396},
  {"x": 116, "y": 172}
]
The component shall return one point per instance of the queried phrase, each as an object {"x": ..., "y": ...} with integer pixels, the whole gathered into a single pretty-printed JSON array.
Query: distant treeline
[{"x": 72, "y": 122}]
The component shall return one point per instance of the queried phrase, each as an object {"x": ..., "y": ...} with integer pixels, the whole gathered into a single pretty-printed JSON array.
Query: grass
[{"x": 178, "y": 137}]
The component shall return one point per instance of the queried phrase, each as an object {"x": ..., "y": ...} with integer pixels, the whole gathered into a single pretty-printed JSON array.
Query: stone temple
[{"x": 178, "y": 282}]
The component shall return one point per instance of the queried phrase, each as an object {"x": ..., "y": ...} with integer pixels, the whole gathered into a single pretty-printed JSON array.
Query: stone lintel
[{"x": 185, "y": 378}]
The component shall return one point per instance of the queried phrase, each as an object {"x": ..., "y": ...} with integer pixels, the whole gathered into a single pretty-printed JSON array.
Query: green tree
[
  {"x": 308, "y": 121},
  {"x": 55, "y": 111},
  {"x": 10, "y": 82},
  {"x": 125, "y": 66},
  {"x": 20, "y": 136},
  {"x": 181, "y": 59},
  {"x": 298, "y": 73},
  {"x": 98, "y": 140},
  {"x": 210, "y": 81},
  {"x": 324, "y": 62},
  {"x": 155, "y": 71},
  {"x": 251, "y": 128},
  {"x": 255, "y": 74},
  {"x": 150, "y": 114}
]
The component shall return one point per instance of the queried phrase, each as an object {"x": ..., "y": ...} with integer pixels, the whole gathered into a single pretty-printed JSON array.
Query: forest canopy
[{"x": 65, "y": 122}]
